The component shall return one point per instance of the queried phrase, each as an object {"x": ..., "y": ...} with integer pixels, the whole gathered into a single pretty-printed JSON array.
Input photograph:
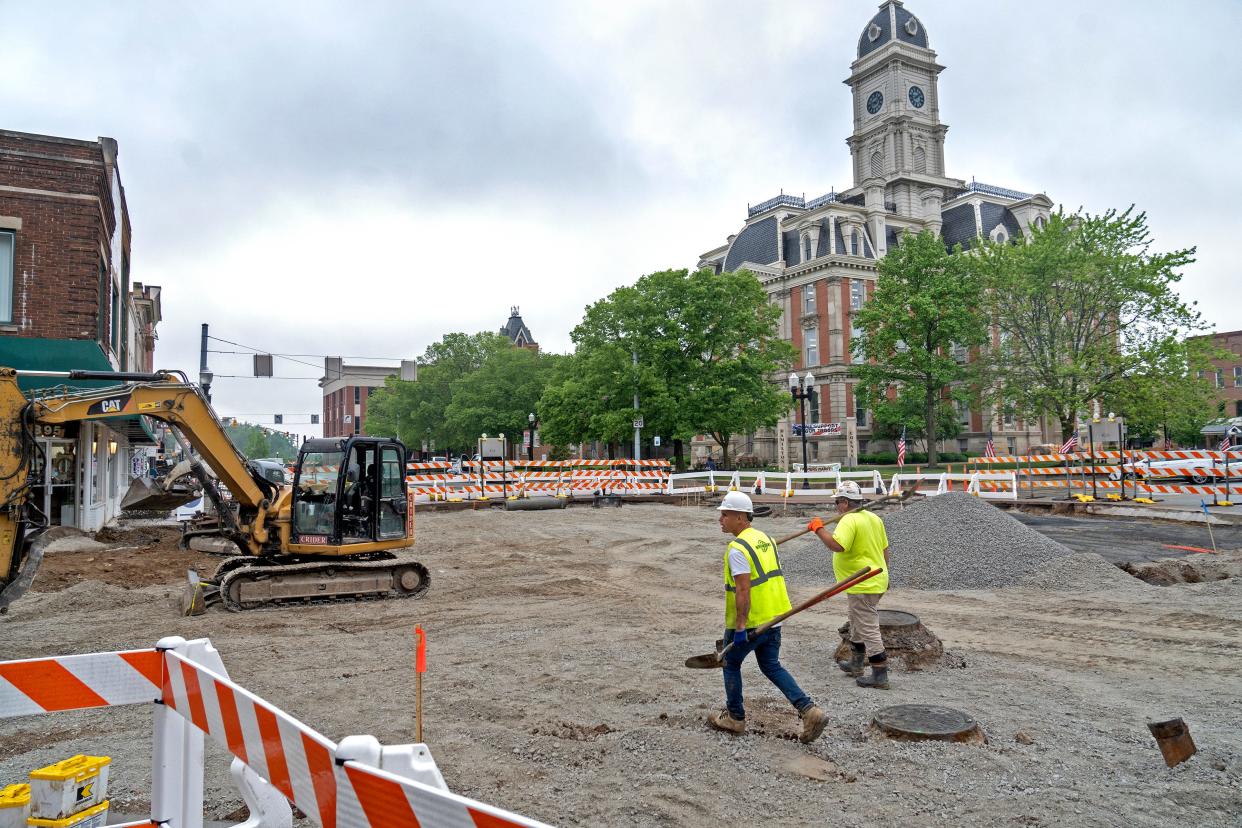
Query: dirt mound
[{"x": 136, "y": 558}]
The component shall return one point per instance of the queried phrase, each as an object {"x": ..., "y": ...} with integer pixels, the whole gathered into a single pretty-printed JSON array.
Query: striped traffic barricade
[{"x": 358, "y": 783}]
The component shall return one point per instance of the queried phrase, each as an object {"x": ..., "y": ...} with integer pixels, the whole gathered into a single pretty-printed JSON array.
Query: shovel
[{"x": 709, "y": 661}]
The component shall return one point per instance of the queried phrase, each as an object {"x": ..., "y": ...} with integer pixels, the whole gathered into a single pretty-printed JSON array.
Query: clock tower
[{"x": 898, "y": 140}]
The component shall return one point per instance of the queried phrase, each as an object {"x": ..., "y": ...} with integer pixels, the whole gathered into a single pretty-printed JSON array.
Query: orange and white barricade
[{"x": 278, "y": 760}]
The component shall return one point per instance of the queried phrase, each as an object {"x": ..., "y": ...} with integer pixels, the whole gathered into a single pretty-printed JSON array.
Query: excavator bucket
[{"x": 147, "y": 495}]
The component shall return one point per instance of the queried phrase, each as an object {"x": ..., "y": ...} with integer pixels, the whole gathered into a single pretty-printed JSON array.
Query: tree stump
[{"x": 905, "y": 640}]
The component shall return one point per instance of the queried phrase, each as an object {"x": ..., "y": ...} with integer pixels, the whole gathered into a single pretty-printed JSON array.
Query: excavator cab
[{"x": 349, "y": 492}]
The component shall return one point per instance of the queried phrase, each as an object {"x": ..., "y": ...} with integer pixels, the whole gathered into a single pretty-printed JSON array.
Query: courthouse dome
[{"x": 892, "y": 21}]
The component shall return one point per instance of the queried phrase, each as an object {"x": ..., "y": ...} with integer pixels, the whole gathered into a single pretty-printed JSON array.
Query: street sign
[
  {"x": 657, "y": 441},
  {"x": 638, "y": 423}
]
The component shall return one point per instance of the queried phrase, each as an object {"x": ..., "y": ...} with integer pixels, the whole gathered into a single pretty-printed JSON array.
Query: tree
[
  {"x": 1172, "y": 396},
  {"x": 499, "y": 396},
  {"x": 700, "y": 349},
  {"x": 905, "y": 410},
  {"x": 416, "y": 411},
  {"x": 918, "y": 327},
  {"x": 1084, "y": 309}
]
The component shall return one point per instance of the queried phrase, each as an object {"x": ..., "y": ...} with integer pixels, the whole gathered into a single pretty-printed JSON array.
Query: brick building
[
  {"x": 817, "y": 257},
  {"x": 1228, "y": 378},
  {"x": 346, "y": 389},
  {"x": 66, "y": 302}
]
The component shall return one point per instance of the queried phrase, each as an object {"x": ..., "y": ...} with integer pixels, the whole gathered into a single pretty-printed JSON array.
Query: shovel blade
[{"x": 707, "y": 661}]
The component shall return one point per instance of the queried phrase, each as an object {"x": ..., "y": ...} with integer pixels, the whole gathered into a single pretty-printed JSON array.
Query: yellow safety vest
[{"x": 768, "y": 597}]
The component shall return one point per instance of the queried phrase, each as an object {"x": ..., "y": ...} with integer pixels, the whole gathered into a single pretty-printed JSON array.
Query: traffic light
[
  {"x": 280, "y": 418},
  {"x": 314, "y": 419}
]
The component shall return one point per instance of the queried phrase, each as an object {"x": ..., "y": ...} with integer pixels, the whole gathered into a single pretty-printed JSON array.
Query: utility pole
[{"x": 638, "y": 423}]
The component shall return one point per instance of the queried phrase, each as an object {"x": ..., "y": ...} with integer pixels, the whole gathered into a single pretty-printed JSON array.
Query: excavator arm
[{"x": 160, "y": 396}]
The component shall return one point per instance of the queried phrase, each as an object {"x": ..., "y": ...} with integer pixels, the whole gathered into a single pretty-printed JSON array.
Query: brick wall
[{"x": 66, "y": 230}]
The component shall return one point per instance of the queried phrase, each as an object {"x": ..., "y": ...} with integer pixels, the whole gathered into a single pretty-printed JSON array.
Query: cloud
[{"x": 335, "y": 178}]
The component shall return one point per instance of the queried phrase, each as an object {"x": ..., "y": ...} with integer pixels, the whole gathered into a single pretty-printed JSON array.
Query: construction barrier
[
  {"x": 278, "y": 760},
  {"x": 554, "y": 478},
  {"x": 987, "y": 485},
  {"x": 1133, "y": 472}
]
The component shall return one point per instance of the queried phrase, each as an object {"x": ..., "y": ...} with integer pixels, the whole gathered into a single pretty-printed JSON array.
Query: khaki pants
[{"x": 865, "y": 620}]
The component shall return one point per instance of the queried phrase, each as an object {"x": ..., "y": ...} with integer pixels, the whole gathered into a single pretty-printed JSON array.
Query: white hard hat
[
  {"x": 736, "y": 502},
  {"x": 849, "y": 490}
]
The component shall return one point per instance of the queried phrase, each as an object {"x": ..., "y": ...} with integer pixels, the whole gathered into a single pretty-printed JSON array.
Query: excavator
[{"x": 330, "y": 536}]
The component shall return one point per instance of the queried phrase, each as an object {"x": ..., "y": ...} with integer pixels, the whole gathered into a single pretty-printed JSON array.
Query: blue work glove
[{"x": 739, "y": 637}]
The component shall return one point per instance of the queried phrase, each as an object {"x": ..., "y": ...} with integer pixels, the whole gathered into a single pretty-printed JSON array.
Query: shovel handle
[
  {"x": 839, "y": 587},
  {"x": 902, "y": 495}
]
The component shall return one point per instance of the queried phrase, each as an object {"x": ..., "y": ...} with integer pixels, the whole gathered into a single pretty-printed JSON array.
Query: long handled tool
[
  {"x": 715, "y": 659},
  {"x": 904, "y": 494}
]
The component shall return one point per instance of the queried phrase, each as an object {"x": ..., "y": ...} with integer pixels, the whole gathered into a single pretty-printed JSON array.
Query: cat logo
[{"x": 114, "y": 405}]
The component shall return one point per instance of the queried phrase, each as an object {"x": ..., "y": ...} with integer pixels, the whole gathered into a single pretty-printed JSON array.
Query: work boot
[
  {"x": 721, "y": 720},
  {"x": 814, "y": 720},
  {"x": 879, "y": 673},
  {"x": 858, "y": 654}
]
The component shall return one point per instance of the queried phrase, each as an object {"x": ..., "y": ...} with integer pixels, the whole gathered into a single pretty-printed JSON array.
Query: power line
[
  {"x": 261, "y": 351},
  {"x": 317, "y": 356}
]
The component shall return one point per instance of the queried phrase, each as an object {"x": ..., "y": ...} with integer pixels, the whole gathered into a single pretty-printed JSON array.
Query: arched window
[
  {"x": 1039, "y": 222},
  {"x": 999, "y": 234},
  {"x": 877, "y": 163},
  {"x": 920, "y": 160}
]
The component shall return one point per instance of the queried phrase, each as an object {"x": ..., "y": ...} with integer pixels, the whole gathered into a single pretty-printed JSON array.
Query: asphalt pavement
[{"x": 1121, "y": 540}]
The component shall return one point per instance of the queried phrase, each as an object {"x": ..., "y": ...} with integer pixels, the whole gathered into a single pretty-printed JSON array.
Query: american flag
[
  {"x": 1071, "y": 444},
  {"x": 901, "y": 448},
  {"x": 990, "y": 449},
  {"x": 1225, "y": 443}
]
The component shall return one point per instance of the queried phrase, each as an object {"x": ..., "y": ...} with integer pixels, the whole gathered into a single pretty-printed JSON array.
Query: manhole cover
[
  {"x": 927, "y": 721},
  {"x": 897, "y": 618}
]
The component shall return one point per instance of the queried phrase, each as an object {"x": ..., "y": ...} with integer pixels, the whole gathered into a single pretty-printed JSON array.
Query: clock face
[
  {"x": 916, "y": 97},
  {"x": 875, "y": 101}
]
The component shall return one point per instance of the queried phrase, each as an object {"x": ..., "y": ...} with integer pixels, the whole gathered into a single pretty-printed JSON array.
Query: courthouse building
[{"x": 817, "y": 257}]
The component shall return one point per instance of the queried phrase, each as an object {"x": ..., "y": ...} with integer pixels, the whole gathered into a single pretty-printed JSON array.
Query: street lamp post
[
  {"x": 530, "y": 447},
  {"x": 801, "y": 390},
  {"x": 205, "y": 376}
]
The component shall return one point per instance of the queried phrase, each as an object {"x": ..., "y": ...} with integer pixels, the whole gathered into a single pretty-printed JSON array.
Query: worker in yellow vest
[
  {"x": 860, "y": 540},
  {"x": 755, "y": 594}
]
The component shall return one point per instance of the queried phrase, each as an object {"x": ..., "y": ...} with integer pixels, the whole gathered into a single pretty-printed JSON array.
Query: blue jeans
[{"x": 767, "y": 649}]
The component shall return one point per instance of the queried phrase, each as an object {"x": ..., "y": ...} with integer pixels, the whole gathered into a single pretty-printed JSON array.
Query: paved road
[{"x": 1120, "y": 540}]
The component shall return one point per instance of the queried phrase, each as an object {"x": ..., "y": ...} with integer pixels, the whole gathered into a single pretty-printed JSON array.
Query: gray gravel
[{"x": 950, "y": 541}]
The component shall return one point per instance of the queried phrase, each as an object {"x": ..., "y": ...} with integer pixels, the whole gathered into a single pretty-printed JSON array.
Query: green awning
[{"x": 35, "y": 354}]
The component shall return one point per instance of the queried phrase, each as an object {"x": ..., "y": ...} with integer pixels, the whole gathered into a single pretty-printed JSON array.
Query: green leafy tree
[
  {"x": 499, "y": 396},
  {"x": 416, "y": 411},
  {"x": 917, "y": 329},
  {"x": 1086, "y": 312},
  {"x": 1173, "y": 395},
  {"x": 700, "y": 349},
  {"x": 907, "y": 410}
]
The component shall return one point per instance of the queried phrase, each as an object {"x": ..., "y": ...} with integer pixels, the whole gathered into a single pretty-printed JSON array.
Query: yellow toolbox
[
  {"x": 14, "y": 806},
  {"x": 95, "y": 817},
  {"x": 69, "y": 787}
]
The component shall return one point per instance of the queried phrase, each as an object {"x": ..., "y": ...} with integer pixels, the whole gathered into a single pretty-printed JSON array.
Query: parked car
[{"x": 1142, "y": 469}]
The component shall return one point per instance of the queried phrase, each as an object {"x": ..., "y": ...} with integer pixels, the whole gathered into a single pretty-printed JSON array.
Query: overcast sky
[{"x": 360, "y": 178}]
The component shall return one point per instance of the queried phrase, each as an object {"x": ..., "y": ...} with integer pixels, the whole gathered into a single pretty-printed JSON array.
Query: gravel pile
[{"x": 951, "y": 541}]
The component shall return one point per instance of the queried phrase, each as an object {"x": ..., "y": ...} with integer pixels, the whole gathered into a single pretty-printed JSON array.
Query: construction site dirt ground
[{"x": 556, "y": 688}]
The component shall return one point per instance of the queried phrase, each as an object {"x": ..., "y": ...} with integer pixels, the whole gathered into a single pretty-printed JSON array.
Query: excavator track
[{"x": 245, "y": 583}]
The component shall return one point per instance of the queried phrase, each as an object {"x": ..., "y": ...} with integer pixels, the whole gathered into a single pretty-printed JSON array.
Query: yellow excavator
[{"x": 330, "y": 536}]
